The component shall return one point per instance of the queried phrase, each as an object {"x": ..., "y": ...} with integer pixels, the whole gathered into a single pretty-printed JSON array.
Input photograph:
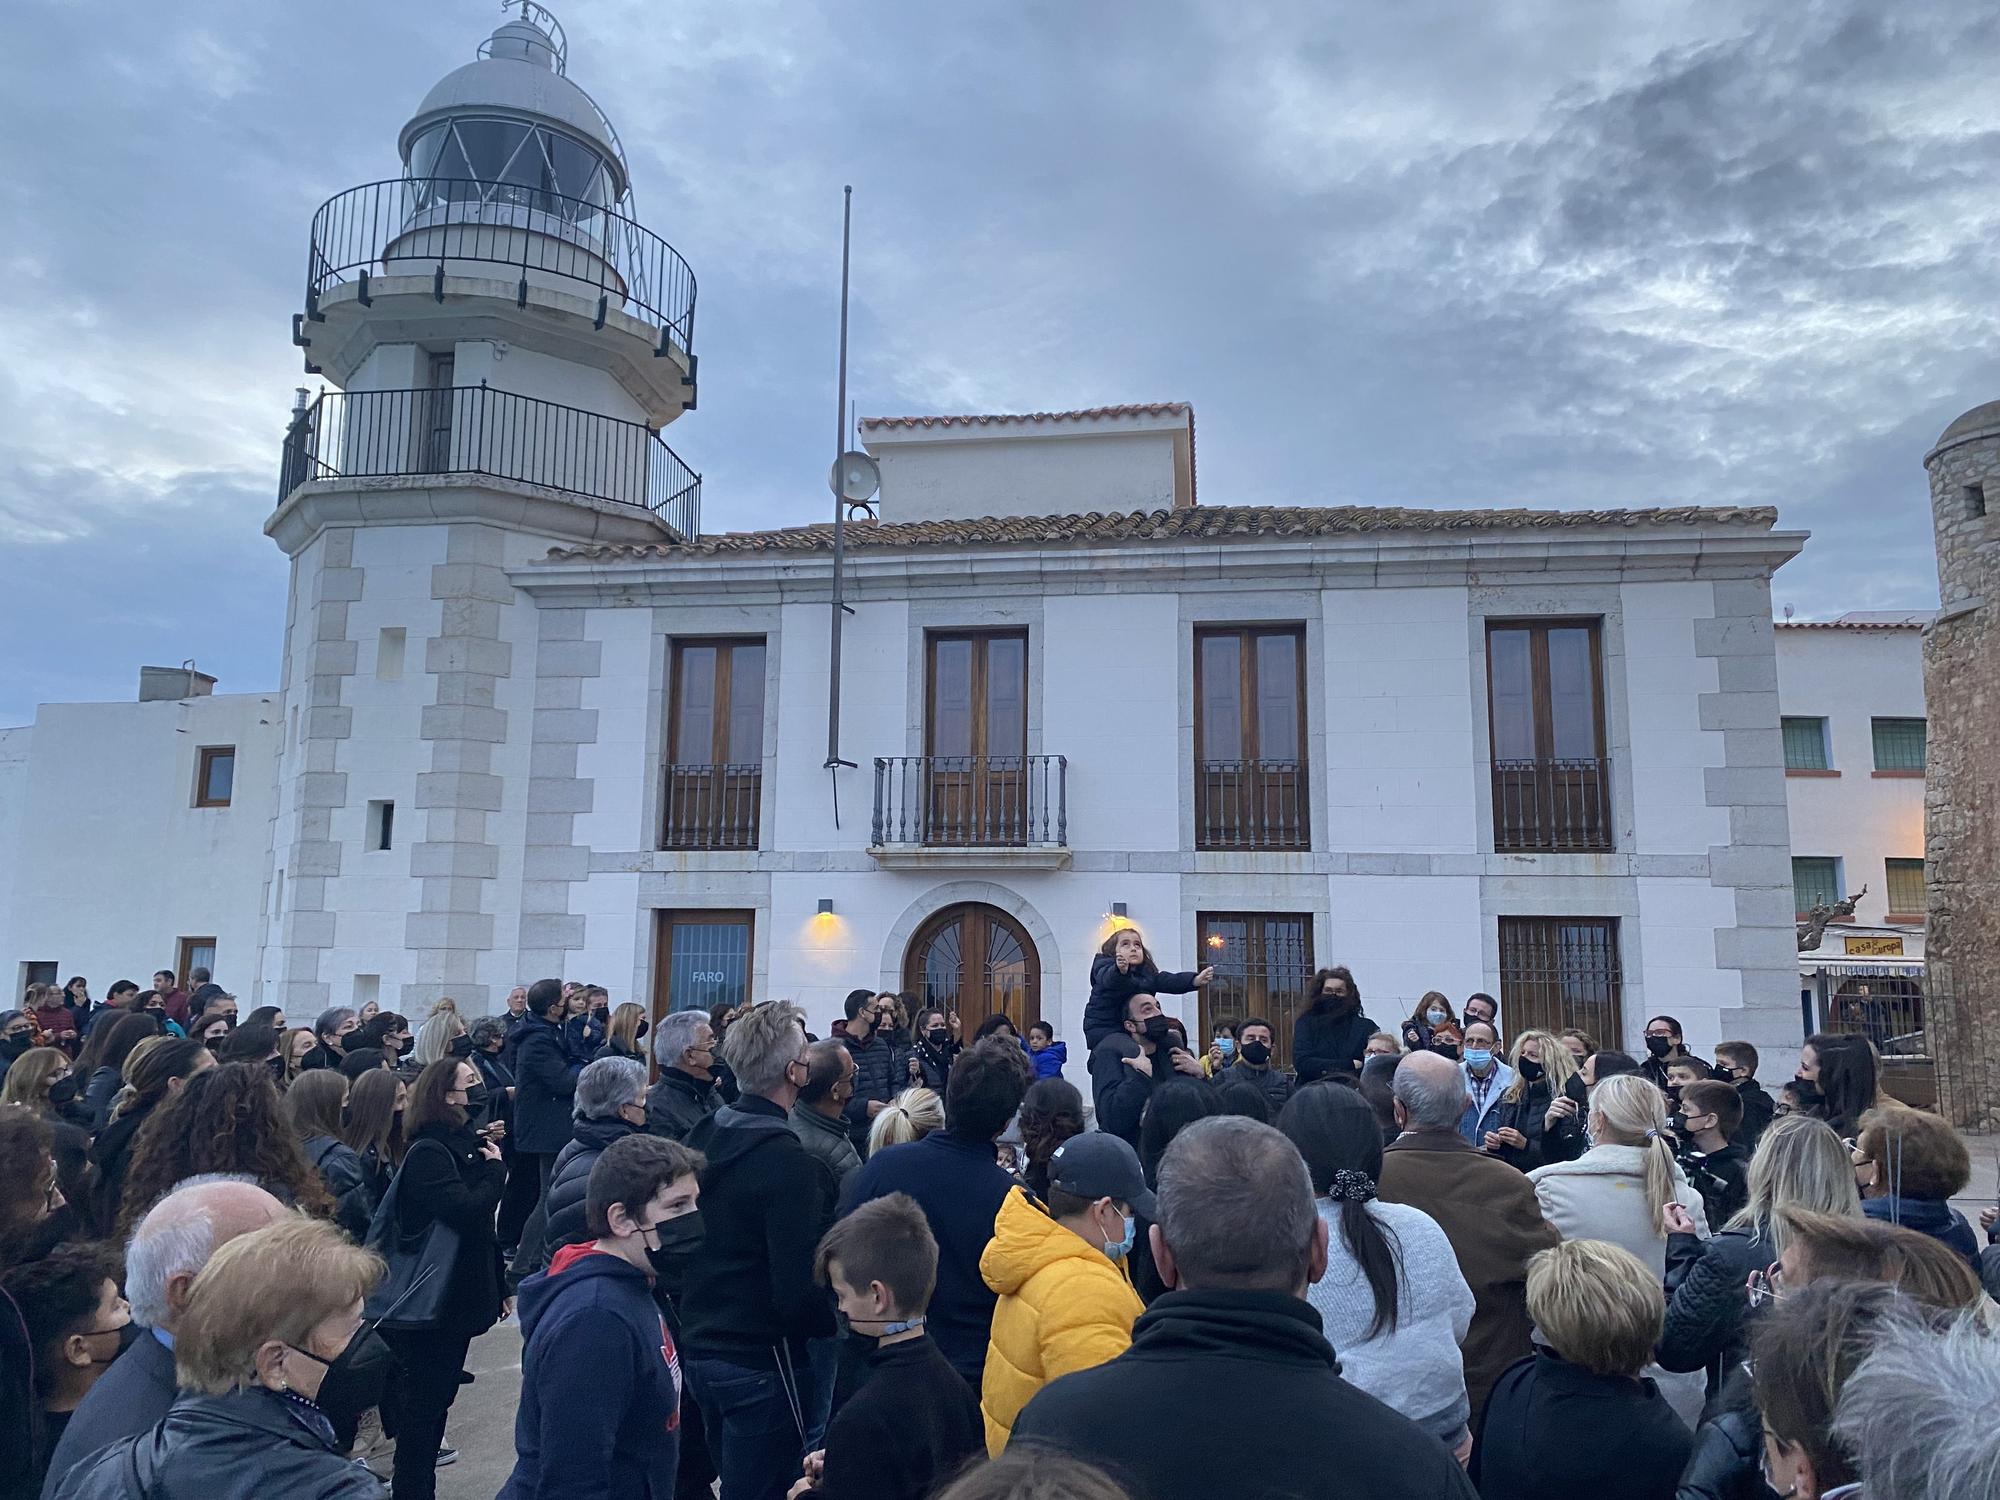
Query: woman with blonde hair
[
  {"x": 1543, "y": 1066},
  {"x": 266, "y": 1319},
  {"x": 1619, "y": 1188},
  {"x": 628, "y": 1025},
  {"x": 435, "y": 1036},
  {"x": 910, "y": 1116},
  {"x": 1800, "y": 1164}
]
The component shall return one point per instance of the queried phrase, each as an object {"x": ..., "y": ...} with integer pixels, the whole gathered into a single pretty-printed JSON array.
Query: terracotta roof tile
[
  {"x": 1001, "y": 419},
  {"x": 1187, "y": 523}
]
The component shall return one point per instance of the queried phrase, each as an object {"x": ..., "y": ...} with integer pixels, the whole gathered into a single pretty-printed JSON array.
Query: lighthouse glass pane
[
  {"x": 424, "y": 152},
  {"x": 490, "y": 146},
  {"x": 450, "y": 173},
  {"x": 579, "y": 171}
]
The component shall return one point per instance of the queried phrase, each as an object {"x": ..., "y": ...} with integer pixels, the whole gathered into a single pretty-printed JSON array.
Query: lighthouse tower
[{"x": 501, "y": 343}]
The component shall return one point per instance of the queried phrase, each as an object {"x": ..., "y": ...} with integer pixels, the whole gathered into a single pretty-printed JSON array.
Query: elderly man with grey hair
[
  {"x": 1238, "y": 1241},
  {"x": 1486, "y": 1208},
  {"x": 684, "y": 1047},
  {"x": 1917, "y": 1414},
  {"x": 610, "y": 1104},
  {"x": 170, "y": 1246}
]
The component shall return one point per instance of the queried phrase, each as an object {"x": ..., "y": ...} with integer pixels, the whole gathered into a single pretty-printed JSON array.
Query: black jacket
[
  {"x": 1275, "y": 1083},
  {"x": 1118, "y": 1092},
  {"x": 1201, "y": 1351},
  {"x": 1617, "y": 1435},
  {"x": 1567, "y": 1140},
  {"x": 1708, "y": 1306},
  {"x": 881, "y": 1072},
  {"x": 111, "y": 1155},
  {"x": 244, "y": 1446},
  {"x": 1727, "y": 1462},
  {"x": 544, "y": 1084},
  {"x": 569, "y": 1182},
  {"x": 1526, "y": 1112},
  {"x": 764, "y": 1206},
  {"x": 936, "y": 1063},
  {"x": 1759, "y": 1109},
  {"x": 678, "y": 1103},
  {"x": 340, "y": 1169},
  {"x": 130, "y": 1398},
  {"x": 909, "y": 1428},
  {"x": 1104, "y": 1012},
  {"x": 445, "y": 1178},
  {"x": 1325, "y": 1041},
  {"x": 1723, "y": 1180},
  {"x": 99, "y": 1094}
]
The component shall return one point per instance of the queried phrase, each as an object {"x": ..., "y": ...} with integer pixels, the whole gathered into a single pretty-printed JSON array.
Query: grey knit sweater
[{"x": 1415, "y": 1367}]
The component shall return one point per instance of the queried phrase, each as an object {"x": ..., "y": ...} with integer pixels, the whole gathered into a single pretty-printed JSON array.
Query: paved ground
[{"x": 482, "y": 1420}]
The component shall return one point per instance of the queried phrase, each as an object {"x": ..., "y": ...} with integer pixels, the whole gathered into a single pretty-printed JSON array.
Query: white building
[
  {"x": 535, "y": 723},
  {"x": 1852, "y": 695}
]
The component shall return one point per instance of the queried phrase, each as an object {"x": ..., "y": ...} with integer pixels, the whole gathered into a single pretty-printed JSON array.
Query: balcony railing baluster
[
  {"x": 711, "y": 807},
  {"x": 1558, "y": 806},
  {"x": 1250, "y": 805},
  {"x": 971, "y": 801},
  {"x": 378, "y": 434}
]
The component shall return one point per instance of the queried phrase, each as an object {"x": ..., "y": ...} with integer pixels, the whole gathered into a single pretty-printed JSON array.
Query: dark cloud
[{"x": 1527, "y": 254}]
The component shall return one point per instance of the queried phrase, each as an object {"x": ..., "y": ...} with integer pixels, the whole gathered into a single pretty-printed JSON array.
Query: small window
[
  {"x": 381, "y": 832},
  {"x": 1815, "y": 882},
  {"x": 1805, "y": 744},
  {"x": 1975, "y": 500},
  {"x": 215, "y": 776},
  {"x": 367, "y": 990},
  {"x": 389, "y": 646},
  {"x": 37, "y": 971},
  {"x": 1899, "y": 745},
  {"x": 1907, "y": 896}
]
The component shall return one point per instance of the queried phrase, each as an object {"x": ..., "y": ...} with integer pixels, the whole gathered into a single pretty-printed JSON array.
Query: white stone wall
[
  {"x": 1023, "y": 474},
  {"x": 112, "y": 863},
  {"x": 1848, "y": 677}
]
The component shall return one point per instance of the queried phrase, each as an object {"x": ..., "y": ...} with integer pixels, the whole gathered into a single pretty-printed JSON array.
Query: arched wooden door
[{"x": 978, "y": 961}]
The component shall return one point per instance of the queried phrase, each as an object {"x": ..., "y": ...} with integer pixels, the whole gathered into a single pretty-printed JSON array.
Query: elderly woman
[
  {"x": 266, "y": 1318},
  {"x": 610, "y": 1105}
]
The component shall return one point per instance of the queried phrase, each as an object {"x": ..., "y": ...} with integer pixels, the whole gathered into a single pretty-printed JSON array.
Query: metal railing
[
  {"x": 409, "y": 228},
  {"x": 1250, "y": 804},
  {"x": 474, "y": 429},
  {"x": 711, "y": 807},
  {"x": 1559, "y": 972},
  {"x": 1551, "y": 806},
  {"x": 972, "y": 801}
]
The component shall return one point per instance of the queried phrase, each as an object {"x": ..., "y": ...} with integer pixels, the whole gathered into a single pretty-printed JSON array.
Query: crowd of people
[{"x": 241, "y": 1256}]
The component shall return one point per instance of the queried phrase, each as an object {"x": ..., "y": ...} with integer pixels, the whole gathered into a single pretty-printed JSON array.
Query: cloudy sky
[{"x": 1545, "y": 252}]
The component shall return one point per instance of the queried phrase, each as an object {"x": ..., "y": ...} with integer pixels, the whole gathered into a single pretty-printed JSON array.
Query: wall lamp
[
  {"x": 826, "y": 906},
  {"x": 1118, "y": 908}
]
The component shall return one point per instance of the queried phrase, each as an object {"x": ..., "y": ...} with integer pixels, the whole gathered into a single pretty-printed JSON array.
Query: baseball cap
[{"x": 1097, "y": 1164}]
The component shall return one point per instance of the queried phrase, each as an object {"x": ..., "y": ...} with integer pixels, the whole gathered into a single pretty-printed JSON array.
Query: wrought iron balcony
[
  {"x": 972, "y": 802},
  {"x": 402, "y": 227},
  {"x": 1551, "y": 806},
  {"x": 1251, "y": 805},
  {"x": 477, "y": 430},
  {"x": 711, "y": 807}
]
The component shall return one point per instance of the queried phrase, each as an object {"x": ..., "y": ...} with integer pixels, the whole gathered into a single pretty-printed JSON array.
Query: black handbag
[{"x": 411, "y": 1297}]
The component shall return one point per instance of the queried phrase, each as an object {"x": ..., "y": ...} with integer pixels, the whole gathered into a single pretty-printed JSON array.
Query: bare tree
[{"x": 1813, "y": 929}]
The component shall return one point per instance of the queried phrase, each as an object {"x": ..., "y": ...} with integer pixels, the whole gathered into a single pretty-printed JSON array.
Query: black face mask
[
  {"x": 936, "y": 1036},
  {"x": 1659, "y": 1046},
  {"x": 129, "y": 1335},
  {"x": 1156, "y": 1030},
  {"x": 1529, "y": 1069},
  {"x": 461, "y": 1046},
  {"x": 1678, "y": 1123},
  {"x": 1810, "y": 1095},
  {"x": 355, "y": 1378},
  {"x": 12, "y": 1047},
  {"x": 643, "y": 1029},
  {"x": 477, "y": 1102},
  {"x": 1445, "y": 1049},
  {"x": 1256, "y": 1053},
  {"x": 1575, "y": 1091},
  {"x": 63, "y": 1090},
  {"x": 680, "y": 1241}
]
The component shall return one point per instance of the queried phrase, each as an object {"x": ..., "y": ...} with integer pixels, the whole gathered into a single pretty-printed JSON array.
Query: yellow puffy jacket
[{"x": 1064, "y": 1305}]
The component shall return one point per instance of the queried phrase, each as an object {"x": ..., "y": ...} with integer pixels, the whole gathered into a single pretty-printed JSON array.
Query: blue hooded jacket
[
  {"x": 1049, "y": 1061},
  {"x": 600, "y": 1385}
]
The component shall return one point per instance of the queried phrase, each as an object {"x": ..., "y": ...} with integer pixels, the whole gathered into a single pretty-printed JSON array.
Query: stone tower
[
  {"x": 505, "y": 341},
  {"x": 1962, "y": 779}
]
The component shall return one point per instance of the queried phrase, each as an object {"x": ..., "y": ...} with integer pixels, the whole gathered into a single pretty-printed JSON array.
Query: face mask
[
  {"x": 214, "y": 1044},
  {"x": 936, "y": 1036},
  {"x": 63, "y": 1090},
  {"x": 643, "y": 1029},
  {"x": 477, "y": 1101},
  {"x": 461, "y": 1046},
  {"x": 1256, "y": 1053},
  {"x": 1157, "y": 1028},
  {"x": 1446, "y": 1050},
  {"x": 1119, "y": 1249},
  {"x": 12, "y": 1047},
  {"x": 1225, "y": 1046},
  {"x": 1809, "y": 1093},
  {"x": 1678, "y": 1123},
  {"x": 1529, "y": 1069},
  {"x": 1434, "y": 1016},
  {"x": 354, "y": 1378},
  {"x": 1575, "y": 1091},
  {"x": 129, "y": 1335},
  {"x": 1659, "y": 1046},
  {"x": 1479, "y": 1059},
  {"x": 680, "y": 1241}
]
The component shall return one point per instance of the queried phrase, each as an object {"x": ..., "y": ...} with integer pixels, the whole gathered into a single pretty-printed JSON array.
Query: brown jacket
[{"x": 1489, "y": 1213}]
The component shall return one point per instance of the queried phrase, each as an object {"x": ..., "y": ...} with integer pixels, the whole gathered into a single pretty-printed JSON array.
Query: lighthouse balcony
[
  {"x": 397, "y": 435},
  {"x": 402, "y": 259}
]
